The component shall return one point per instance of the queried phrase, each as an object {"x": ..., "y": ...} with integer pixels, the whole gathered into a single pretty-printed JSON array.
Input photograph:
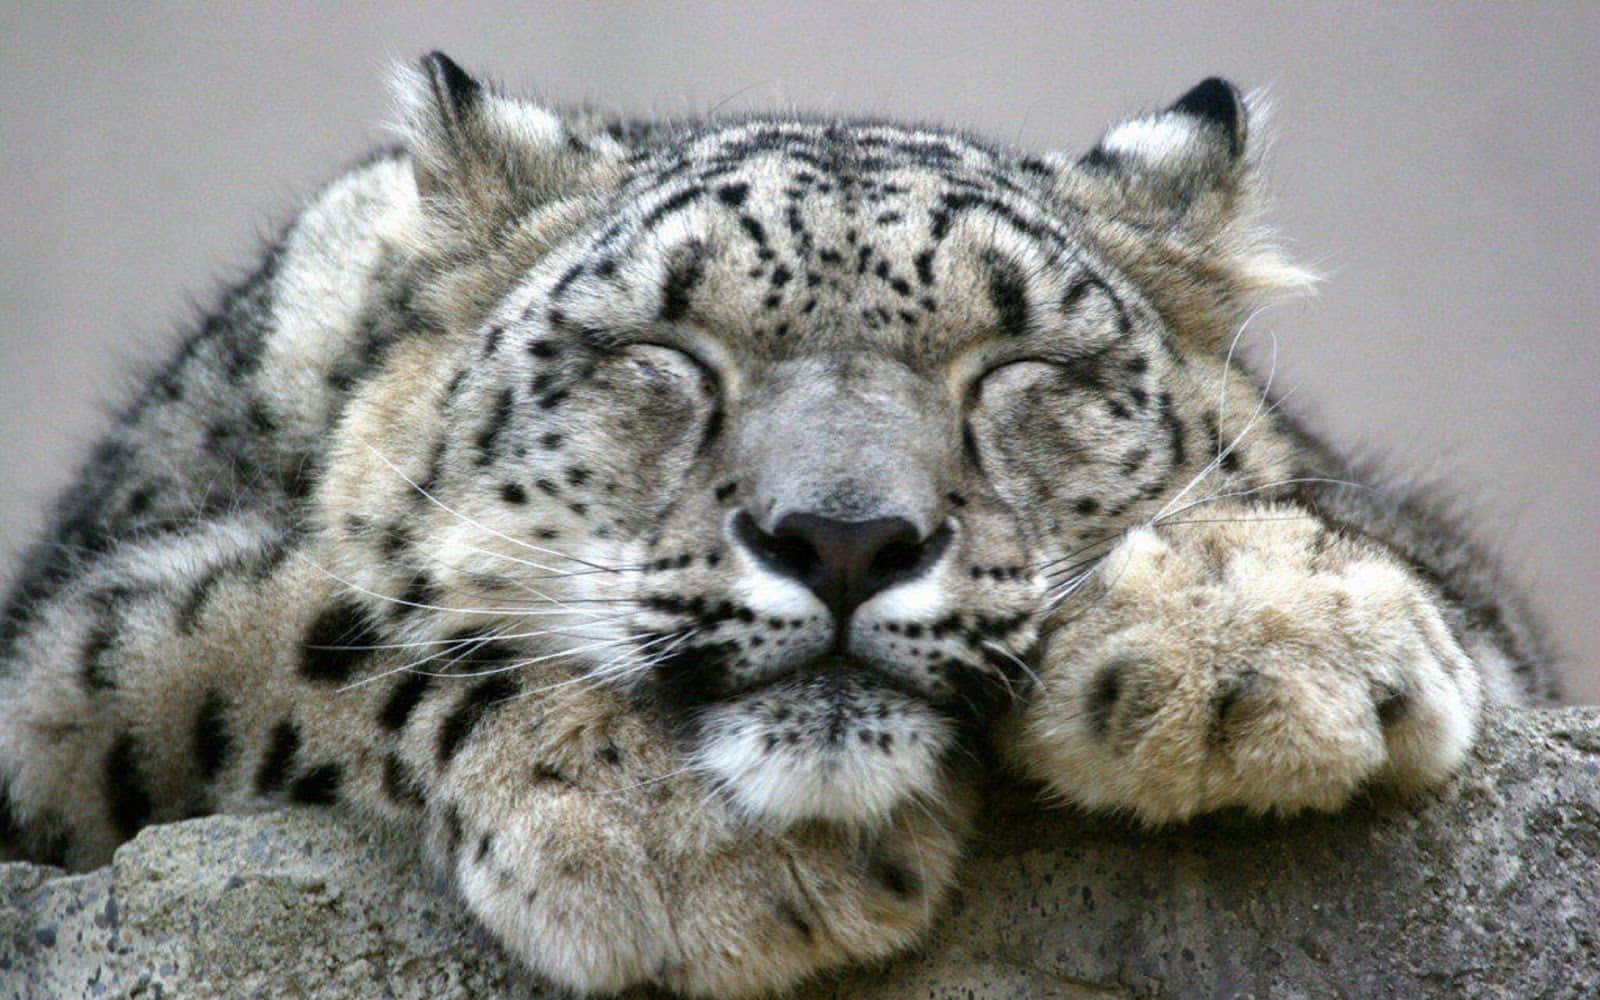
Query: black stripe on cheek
[
  {"x": 474, "y": 653},
  {"x": 497, "y": 423},
  {"x": 337, "y": 642},
  {"x": 1226, "y": 455},
  {"x": 400, "y": 783},
  {"x": 189, "y": 611},
  {"x": 125, "y": 790},
  {"x": 1009, "y": 296},
  {"x": 753, "y": 229},
  {"x": 403, "y": 700},
  {"x": 1175, "y": 430},
  {"x": 95, "y": 671},
  {"x": 572, "y": 274},
  {"x": 470, "y": 711},
  {"x": 684, "y": 272},
  {"x": 318, "y": 786},
  {"x": 213, "y": 743},
  {"x": 274, "y": 770}
]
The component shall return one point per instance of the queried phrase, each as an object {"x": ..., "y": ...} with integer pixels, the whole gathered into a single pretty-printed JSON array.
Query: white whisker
[
  {"x": 1222, "y": 453},
  {"x": 454, "y": 650},
  {"x": 523, "y": 664},
  {"x": 1234, "y": 494},
  {"x": 478, "y": 524},
  {"x": 561, "y": 608},
  {"x": 610, "y": 671},
  {"x": 1014, "y": 658}
]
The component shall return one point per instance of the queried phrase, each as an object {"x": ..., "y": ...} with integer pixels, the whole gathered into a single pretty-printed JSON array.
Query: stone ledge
[{"x": 1490, "y": 888}]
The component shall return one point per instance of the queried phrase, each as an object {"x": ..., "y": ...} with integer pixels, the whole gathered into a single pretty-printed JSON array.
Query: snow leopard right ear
[{"x": 481, "y": 157}]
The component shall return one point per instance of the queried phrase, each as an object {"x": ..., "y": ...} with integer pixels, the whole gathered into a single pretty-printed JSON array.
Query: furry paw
[
  {"x": 1260, "y": 661},
  {"x": 607, "y": 865}
]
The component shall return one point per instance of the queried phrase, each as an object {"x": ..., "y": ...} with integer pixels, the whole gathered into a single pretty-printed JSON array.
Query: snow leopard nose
[{"x": 843, "y": 562}]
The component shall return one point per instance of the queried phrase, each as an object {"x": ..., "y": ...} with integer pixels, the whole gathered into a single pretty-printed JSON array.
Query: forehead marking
[{"x": 950, "y": 178}]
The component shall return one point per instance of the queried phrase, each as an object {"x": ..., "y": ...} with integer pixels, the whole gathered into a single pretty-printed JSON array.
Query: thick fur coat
[{"x": 662, "y": 520}]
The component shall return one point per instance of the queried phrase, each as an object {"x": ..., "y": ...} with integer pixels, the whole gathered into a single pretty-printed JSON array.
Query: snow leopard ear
[
  {"x": 485, "y": 165},
  {"x": 481, "y": 155},
  {"x": 1184, "y": 166},
  {"x": 1175, "y": 198},
  {"x": 453, "y": 101}
]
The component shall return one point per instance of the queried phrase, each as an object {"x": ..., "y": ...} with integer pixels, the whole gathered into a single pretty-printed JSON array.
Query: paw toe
[
  {"x": 1238, "y": 699},
  {"x": 1392, "y": 703}
]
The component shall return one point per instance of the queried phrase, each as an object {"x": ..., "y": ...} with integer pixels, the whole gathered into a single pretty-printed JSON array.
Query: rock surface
[{"x": 1489, "y": 888}]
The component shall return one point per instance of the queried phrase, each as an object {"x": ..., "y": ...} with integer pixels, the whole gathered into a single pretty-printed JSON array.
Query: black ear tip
[
  {"x": 450, "y": 80},
  {"x": 1217, "y": 102},
  {"x": 1213, "y": 98}
]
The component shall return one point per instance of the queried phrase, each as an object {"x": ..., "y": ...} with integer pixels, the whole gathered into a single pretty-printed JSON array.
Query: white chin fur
[{"x": 792, "y": 767}]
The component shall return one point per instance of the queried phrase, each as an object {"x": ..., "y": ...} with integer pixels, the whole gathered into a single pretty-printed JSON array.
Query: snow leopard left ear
[
  {"x": 1175, "y": 198},
  {"x": 1181, "y": 167},
  {"x": 481, "y": 155}
]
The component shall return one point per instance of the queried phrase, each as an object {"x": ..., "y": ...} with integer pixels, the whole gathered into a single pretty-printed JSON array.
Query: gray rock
[
  {"x": 1489, "y": 888},
  {"x": 291, "y": 903}
]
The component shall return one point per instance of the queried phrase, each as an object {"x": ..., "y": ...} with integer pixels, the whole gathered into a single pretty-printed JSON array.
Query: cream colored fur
[
  {"x": 1241, "y": 659},
  {"x": 659, "y": 521}
]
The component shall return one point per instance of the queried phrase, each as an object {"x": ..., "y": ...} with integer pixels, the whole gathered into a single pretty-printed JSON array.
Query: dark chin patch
[
  {"x": 981, "y": 700},
  {"x": 691, "y": 680}
]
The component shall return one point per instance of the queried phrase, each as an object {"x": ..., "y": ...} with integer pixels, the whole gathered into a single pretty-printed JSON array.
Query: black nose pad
[{"x": 842, "y": 562}]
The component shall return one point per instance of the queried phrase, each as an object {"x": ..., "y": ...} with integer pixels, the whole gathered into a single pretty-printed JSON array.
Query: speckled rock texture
[{"x": 1490, "y": 888}]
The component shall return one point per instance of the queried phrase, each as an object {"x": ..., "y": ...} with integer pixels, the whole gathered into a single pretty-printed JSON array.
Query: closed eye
[
  {"x": 664, "y": 363},
  {"x": 1019, "y": 374}
]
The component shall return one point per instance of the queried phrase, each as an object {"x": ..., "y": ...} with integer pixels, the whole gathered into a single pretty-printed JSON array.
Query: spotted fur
[{"x": 660, "y": 519}]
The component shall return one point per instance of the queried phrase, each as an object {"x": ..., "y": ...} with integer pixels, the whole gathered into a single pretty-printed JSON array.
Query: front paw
[
  {"x": 606, "y": 864},
  {"x": 1260, "y": 662},
  {"x": 569, "y": 893}
]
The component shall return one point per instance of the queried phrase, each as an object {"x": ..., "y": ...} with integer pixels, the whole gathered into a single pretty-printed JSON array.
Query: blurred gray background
[{"x": 1440, "y": 166}]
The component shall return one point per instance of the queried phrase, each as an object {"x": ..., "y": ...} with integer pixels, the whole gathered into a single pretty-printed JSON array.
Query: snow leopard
[{"x": 668, "y": 525}]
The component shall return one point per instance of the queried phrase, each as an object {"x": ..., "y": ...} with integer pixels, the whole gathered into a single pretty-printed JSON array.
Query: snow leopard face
[{"x": 797, "y": 431}]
